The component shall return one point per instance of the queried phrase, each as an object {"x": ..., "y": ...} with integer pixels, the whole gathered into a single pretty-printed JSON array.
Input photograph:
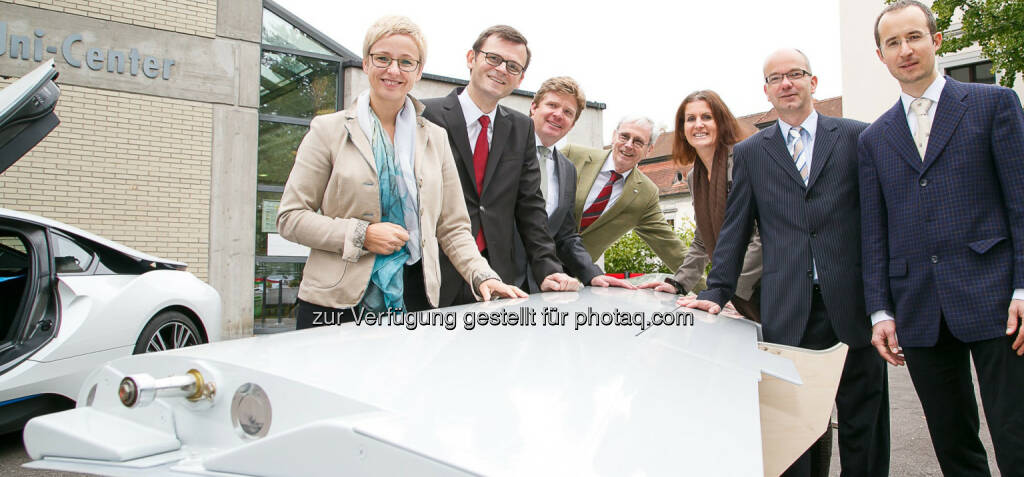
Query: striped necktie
[
  {"x": 796, "y": 139},
  {"x": 595, "y": 209}
]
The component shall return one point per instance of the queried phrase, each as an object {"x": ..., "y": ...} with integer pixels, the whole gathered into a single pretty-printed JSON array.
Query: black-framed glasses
[
  {"x": 383, "y": 61},
  {"x": 776, "y": 78},
  {"x": 637, "y": 142},
  {"x": 496, "y": 60}
]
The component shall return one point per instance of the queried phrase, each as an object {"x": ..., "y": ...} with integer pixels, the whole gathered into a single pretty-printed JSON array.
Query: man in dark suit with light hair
[
  {"x": 495, "y": 154},
  {"x": 797, "y": 179},
  {"x": 556, "y": 107},
  {"x": 942, "y": 196}
]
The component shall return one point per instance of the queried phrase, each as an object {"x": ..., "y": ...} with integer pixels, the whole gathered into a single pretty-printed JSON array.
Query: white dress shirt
[
  {"x": 472, "y": 115},
  {"x": 551, "y": 197},
  {"x": 602, "y": 179},
  {"x": 934, "y": 92}
]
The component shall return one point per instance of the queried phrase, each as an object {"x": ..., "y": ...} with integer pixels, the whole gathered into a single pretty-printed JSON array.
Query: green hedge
[{"x": 631, "y": 254}]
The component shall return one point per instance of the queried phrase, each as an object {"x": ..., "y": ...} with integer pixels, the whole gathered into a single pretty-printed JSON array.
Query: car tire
[{"x": 168, "y": 330}]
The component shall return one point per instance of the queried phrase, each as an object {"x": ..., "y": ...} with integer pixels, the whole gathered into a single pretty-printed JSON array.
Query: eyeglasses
[
  {"x": 496, "y": 60},
  {"x": 636, "y": 141},
  {"x": 404, "y": 64},
  {"x": 794, "y": 75}
]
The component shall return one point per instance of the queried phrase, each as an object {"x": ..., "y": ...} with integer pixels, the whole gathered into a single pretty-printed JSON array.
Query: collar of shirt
[
  {"x": 810, "y": 125},
  {"x": 933, "y": 92},
  {"x": 608, "y": 167},
  {"x": 472, "y": 113}
]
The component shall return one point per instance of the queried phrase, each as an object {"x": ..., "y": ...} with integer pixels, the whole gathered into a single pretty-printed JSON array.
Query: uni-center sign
[{"x": 76, "y": 53}]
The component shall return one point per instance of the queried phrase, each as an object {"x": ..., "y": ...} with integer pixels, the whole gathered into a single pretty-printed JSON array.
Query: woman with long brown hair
[{"x": 705, "y": 131}]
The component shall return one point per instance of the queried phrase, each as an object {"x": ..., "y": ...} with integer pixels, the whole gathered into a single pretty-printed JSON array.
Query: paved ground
[{"x": 912, "y": 453}]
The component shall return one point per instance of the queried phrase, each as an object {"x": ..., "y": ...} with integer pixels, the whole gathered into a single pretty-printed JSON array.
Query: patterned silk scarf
[{"x": 385, "y": 290}]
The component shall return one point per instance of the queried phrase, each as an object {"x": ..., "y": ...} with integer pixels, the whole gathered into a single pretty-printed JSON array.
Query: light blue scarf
[{"x": 385, "y": 290}]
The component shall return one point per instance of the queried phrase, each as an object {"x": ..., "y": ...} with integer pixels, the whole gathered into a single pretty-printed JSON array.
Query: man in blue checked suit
[
  {"x": 942, "y": 199},
  {"x": 797, "y": 180}
]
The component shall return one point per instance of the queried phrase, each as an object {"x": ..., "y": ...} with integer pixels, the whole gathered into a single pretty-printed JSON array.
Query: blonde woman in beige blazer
[{"x": 332, "y": 202}]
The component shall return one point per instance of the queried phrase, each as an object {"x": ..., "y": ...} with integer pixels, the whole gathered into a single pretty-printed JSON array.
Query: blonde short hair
[
  {"x": 395, "y": 25},
  {"x": 564, "y": 85}
]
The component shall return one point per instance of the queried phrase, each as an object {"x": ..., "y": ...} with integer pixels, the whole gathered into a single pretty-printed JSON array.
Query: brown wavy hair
[{"x": 729, "y": 131}]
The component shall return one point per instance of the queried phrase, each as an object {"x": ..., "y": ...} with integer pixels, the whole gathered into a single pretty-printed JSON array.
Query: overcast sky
[{"x": 638, "y": 57}]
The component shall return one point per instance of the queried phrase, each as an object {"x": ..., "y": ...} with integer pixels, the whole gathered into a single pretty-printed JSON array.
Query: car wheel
[{"x": 168, "y": 330}]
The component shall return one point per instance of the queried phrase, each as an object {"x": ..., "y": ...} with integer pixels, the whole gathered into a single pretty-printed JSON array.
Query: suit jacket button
[
  {"x": 935, "y": 259},
  {"x": 924, "y": 182},
  {"x": 810, "y": 273},
  {"x": 814, "y": 234}
]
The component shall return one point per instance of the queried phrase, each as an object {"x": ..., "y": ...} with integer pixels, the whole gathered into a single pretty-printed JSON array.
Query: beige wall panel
[
  {"x": 132, "y": 168},
  {"x": 192, "y": 17},
  {"x": 232, "y": 221},
  {"x": 203, "y": 69}
]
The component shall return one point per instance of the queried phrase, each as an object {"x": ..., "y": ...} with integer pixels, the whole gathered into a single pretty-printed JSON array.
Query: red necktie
[
  {"x": 595, "y": 209},
  {"x": 479, "y": 167}
]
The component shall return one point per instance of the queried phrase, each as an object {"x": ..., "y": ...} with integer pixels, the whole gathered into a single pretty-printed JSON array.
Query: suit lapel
[
  {"x": 421, "y": 149},
  {"x": 455, "y": 124},
  {"x": 771, "y": 140},
  {"x": 897, "y": 132},
  {"x": 823, "y": 145},
  {"x": 499, "y": 138},
  {"x": 949, "y": 112},
  {"x": 358, "y": 138},
  {"x": 588, "y": 174}
]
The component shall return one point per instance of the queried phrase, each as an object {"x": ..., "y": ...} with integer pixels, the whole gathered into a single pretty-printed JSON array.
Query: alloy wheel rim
[{"x": 171, "y": 335}]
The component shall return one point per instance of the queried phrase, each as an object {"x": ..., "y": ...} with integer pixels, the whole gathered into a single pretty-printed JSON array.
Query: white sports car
[
  {"x": 70, "y": 300},
  {"x": 597, "y": 382}
]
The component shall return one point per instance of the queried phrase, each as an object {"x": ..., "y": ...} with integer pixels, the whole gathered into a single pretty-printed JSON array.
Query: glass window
[
  {"x": 69, "y": 256},
  {"x": 278, "y": 143},
  {"x": 962, "y": 74},
  {"x": 278, "y": 32},
  {"x": 973, "y": 73},
  {"x": 275, "y": 291},
  {"x": 297, "y": 86},
  {"x": 14, "y": 257},
  {"x": 266, "y": 219},
  {"x": 983, "y": 73}
]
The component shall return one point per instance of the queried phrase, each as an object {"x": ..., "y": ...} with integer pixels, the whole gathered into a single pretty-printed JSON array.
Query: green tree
[
  {"x": 631, "y": 254},
  {"x": 996, "y": 25}
]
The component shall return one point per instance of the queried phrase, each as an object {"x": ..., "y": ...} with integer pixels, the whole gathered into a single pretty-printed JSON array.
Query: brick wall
[
  {"x": 129, "y": 167},
  {"x": 194, "y": 17}
]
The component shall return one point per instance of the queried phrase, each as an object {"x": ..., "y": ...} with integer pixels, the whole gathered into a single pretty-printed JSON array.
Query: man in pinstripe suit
[
  {"x": 797, "y": 180},
  {"x": 942, "y": 193}
]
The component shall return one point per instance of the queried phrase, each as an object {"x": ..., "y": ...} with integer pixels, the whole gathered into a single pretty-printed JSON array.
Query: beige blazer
[{"x": 335, "y": 174}]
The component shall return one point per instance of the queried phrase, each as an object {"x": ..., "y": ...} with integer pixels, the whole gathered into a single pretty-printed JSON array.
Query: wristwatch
[{"x": 678, "y": 286}]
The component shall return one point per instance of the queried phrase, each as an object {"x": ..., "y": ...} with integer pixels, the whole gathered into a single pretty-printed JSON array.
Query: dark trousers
[
  {"x": 311, "y": 315},
  {"x": 862, "y": 402},
  {"x": 750, "y": 309},
  {"x": 464, "y": 294},
  {"x": 942, "y": 379}
]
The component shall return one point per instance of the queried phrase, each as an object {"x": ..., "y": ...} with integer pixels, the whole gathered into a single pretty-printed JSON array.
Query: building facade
[{"x": 180, "y": 121}]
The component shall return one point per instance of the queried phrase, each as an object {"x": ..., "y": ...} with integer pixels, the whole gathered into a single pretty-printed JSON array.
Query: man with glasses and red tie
[
  {"x": 797, "y": 180},
  {"x": 495, "y": 154},
  {"x": 614, "y": 197}
]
